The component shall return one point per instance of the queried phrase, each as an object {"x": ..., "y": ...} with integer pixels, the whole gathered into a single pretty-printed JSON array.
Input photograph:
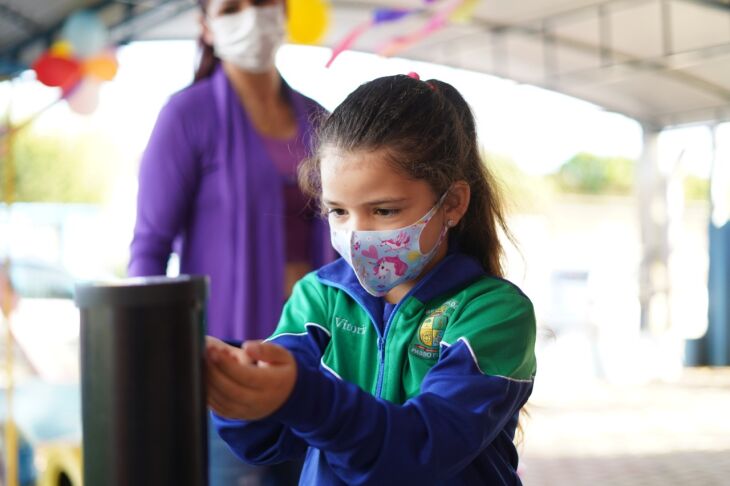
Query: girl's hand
[{"x": 250, "y": 382}]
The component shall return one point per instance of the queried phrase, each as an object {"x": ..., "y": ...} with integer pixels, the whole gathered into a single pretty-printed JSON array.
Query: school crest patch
[{"x": 431, "y": 331}]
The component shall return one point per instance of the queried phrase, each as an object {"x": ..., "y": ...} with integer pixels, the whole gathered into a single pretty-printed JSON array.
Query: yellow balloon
[
  {"x": 308, "y": 20},
  {"x": 62, "y": 49},
  {"x": 103, "y": 68}
]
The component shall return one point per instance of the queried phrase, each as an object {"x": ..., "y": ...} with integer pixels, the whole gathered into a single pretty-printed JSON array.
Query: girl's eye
[
  {"x": 385, "y": 212},
  {"x": 336, "y": 212}
]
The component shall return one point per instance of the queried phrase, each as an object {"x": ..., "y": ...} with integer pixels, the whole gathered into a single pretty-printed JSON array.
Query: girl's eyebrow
[{"x": 376, "y": 202}]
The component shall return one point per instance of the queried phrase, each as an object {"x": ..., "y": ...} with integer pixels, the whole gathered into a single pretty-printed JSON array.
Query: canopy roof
[{"x": 662, "y": 62}]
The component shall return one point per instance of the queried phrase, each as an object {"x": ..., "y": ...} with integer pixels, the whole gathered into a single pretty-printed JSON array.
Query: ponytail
[{"x": 207, "y": 60}]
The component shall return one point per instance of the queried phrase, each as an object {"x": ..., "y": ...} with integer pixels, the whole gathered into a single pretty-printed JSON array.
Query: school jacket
[{"x": 430, "y": 397}]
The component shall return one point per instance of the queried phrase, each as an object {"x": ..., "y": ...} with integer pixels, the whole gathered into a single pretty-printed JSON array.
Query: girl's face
[{"x": 361, "y": 191}]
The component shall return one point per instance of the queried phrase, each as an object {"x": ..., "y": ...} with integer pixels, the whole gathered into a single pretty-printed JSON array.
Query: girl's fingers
[
  {"x": 244, "y": 375},
  {"x": 215, "y": 405},
  {"x": 212, "y": 343},
  {"x": 267, "y": 352},
  {"x": 229, "y": 404},
  {"x": 231, "y": 380}
]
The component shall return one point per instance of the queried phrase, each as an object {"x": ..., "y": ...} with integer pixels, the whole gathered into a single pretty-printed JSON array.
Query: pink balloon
[{"x": 85, "y": 97}]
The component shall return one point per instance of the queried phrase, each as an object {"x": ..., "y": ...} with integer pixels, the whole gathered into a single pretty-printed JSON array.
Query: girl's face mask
[
  {"x": 382, "y": 260},
  {"x": 250, "y": 38}
]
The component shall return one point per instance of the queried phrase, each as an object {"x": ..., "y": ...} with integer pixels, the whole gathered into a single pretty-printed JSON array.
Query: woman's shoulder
[
  {"x": 193, "y": 101},
  {"x": 190, "y": 113}
]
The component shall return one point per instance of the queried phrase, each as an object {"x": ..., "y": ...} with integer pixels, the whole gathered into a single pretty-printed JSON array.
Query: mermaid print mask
[{"x": 384, "y": 259}]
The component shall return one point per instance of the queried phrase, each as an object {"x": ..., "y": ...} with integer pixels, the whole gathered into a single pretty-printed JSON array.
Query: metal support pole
[
  {"x": 718, "y": 331},
  {"x": 605, "y": 38},
  {"x": 654, "y": 285},
  {"x": 667, "y": 31},
  {"x": 550, "y": 64},
  {"x": 11, "y": 436}
]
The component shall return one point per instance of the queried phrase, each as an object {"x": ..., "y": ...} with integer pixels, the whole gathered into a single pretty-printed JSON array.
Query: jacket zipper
[
  {"x": 381, "y": 349},
  {"x": 381, "y": 337}
]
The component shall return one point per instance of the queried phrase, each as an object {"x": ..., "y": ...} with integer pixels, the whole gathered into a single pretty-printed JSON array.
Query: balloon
[
  {"x": 103, "y": 67},
  {"x": 57, "y": 71},
  {"x": 308, "y": 20},
  {"x": 62, "y": 49},
  {"x": 85, "y": 31},
  {"x": 85, "y": 97}
]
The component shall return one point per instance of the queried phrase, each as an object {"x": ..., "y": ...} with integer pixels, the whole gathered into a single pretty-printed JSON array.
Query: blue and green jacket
[{"x": 427, "y": 392}]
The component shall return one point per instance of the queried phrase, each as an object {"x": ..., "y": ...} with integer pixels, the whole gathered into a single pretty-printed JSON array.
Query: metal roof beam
[
  {"x": 19, "y": 19},
  {"x": 133, "y": 21},
  {"x": 12, "y": 54},
  {"x": 609, "y": 56},
  {"x": 126, "y": 30},
  {"x": 724, "y": 6}
]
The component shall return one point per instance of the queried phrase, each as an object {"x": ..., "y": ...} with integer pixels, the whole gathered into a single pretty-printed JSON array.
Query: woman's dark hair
[
  {"x": 428, "y": 132},
  {"x": 207, "y": 60}
]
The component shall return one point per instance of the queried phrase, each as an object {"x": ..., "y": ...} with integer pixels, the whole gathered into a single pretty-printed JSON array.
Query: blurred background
[{"x": 607, "y": 123}]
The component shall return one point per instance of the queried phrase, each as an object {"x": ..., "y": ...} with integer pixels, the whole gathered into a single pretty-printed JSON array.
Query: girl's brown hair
[{"x": 428, "y": 131}]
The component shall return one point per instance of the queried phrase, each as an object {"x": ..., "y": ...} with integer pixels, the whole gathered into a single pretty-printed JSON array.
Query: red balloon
[{"x": 58, "y": 71}]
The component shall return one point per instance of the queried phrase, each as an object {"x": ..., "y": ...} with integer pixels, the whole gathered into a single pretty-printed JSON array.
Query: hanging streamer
[
  {"x": 379, "y": 16},
  {"x": 465, "y": 12},
  {"x": 438, "y": 21},
  {"x": 457, "y": 11}
]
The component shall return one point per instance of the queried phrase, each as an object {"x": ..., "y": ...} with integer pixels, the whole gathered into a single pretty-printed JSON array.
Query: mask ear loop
[{"x": 450, "y": 223}]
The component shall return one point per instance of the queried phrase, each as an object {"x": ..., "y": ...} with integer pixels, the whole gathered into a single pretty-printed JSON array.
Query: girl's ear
[{"x": 456, "y": 203}]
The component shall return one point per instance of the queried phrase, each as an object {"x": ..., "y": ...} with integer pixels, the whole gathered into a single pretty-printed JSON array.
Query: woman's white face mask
[{"x": 250, "y": 38}]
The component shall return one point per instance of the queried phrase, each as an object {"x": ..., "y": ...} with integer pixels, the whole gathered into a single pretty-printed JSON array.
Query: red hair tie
[{"x": 415, "y": 76}]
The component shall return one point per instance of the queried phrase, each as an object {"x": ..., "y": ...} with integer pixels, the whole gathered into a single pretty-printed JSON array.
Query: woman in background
[{"x": 217, "y": 186}]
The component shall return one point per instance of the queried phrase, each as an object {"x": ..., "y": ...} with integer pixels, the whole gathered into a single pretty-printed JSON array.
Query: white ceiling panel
[{"x": 659, "y": 61}]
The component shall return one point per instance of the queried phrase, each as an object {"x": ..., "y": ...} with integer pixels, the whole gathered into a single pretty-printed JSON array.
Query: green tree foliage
[
  {"x": 59, "y": 167},
  {"x": 696, "y": 188},
  {"x": 590, "y": 174},
  {"x": 521, "y": 191}
]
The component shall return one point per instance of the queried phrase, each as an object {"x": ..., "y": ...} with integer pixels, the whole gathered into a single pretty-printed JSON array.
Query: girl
[{"x": 411, "y": 372}]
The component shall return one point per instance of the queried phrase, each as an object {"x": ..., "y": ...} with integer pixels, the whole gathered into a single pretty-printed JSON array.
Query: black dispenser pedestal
[{"x": 142, "y": 382}]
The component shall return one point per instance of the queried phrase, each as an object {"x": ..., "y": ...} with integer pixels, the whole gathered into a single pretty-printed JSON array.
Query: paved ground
[{"x": 629, "y": 435}]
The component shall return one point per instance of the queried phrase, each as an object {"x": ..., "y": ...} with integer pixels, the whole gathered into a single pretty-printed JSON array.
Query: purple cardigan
[{"x": 208, "y": 190}]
